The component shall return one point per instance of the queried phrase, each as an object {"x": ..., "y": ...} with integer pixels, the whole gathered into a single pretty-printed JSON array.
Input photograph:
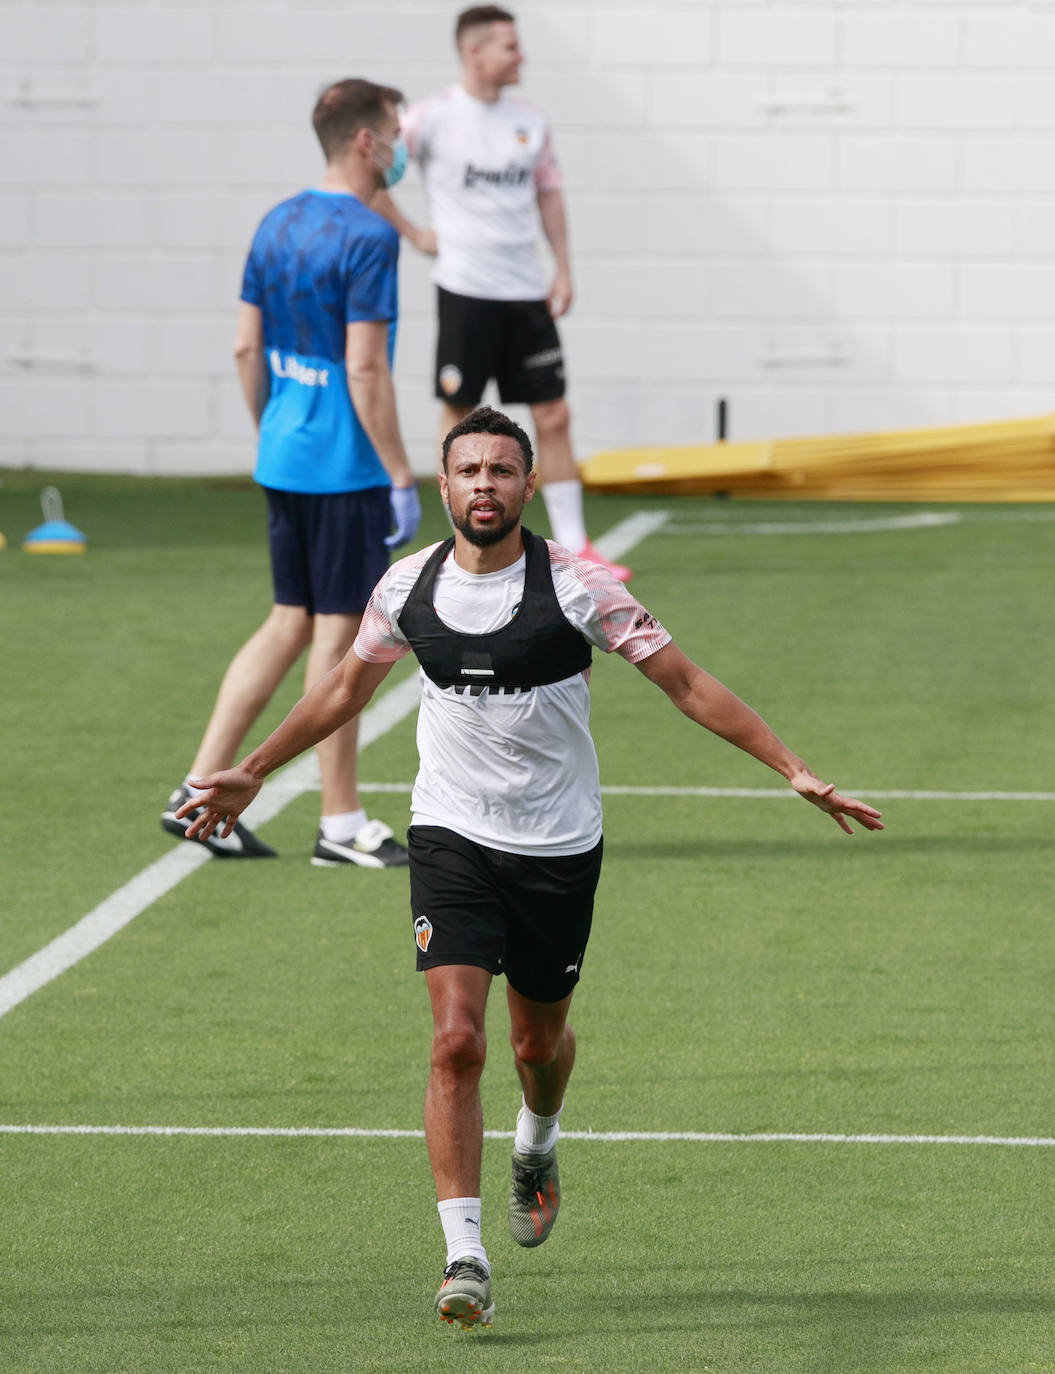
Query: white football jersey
[
  {"x": 514, "y": 771},
  {"x": 483, "y": 165}
]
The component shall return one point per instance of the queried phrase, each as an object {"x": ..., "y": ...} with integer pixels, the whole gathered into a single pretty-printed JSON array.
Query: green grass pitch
[{"x": 752, "y": 971}]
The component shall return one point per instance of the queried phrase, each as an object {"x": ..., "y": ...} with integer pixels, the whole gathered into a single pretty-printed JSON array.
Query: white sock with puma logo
[{"x": 460, "y": 1219}]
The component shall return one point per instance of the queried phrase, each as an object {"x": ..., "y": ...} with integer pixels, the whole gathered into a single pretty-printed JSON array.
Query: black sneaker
[
  {"x": 241, "y": 843},
  {"x": 465, "y": 1295},
  {"x": 372, "y": 847}
]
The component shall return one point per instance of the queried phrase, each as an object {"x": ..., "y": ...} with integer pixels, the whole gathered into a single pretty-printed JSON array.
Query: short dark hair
[
  {"x": 485, "y": 420},
  {"x": 477, "y": 15},
  {"x": 348, "y": 106}
]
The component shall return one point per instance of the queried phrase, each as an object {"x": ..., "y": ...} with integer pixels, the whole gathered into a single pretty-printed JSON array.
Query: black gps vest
[{"x": 537, "y": 646}]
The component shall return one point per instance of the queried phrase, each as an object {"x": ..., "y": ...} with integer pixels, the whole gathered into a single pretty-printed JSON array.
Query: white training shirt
[
  {"x": 513, "y": 771},
  {"x": 483, "y": 165}
]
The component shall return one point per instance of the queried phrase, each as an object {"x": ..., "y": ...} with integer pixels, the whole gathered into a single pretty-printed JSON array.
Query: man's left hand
[
  {"x": 841, "y": 809},
  {"x": 406, "y": 515}
]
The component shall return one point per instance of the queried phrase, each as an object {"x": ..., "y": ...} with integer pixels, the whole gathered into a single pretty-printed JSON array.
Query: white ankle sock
[
  {"x": 536, "y": 1135},
  {"x": 342, "y": 827},
  {"x": 194, "y": 791},
  {"x": 563, "y": 501},
  {"x": 460, "y": 1219}
]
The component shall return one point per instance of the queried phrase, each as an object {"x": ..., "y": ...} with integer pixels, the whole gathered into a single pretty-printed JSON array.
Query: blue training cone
[{"x": 56, "y": 535}]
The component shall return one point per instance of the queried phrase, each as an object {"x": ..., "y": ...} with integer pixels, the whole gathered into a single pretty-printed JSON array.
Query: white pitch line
[
  {"x": 621, "y": 538},
  {"x": 876, "y": 525},
  {"x": 98, "y": 925},
  {"x": 593, "y": 1137},
  {"x": 140, "y": 892}
]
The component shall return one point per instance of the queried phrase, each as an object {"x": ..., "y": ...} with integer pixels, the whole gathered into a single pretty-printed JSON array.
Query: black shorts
[
  {"x": 528, "y": 918},
  {"x": 515, "y": 342},
  {"x": 328, "y": 551}
]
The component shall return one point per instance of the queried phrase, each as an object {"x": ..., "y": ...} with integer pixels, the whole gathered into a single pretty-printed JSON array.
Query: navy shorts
[
  {"x": 526, "y": 917},
  {"x": 515, "y": 342},
  {"x": 328, "y": 551}
]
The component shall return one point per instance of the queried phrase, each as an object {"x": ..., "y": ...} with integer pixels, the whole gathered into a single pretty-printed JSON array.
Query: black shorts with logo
[
  {"x": 526, "y": 917},
  {"x": 515, "y": 342}
]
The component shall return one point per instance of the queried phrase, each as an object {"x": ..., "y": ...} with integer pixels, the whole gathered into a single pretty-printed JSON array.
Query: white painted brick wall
[
  {"x": 960, "y": 228},
  {"x": 896, "y": 291},
  {"x": 1037, "y": 356},
  {"x": 985, "y": 103},
  {"x": 169, "y": 33},
  {"x": 634, "y": 38},
  {"x": 839, "y": 214},
  {"x": 905, "y": 38},
  {"x": 788, "y": 37},
  {"x": 14, "y": 220}
]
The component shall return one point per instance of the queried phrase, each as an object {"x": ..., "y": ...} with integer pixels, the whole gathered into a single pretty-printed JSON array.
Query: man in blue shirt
[{"x": 313, "y": 347}]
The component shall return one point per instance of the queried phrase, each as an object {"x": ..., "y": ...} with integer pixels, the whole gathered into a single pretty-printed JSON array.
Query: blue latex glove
[{"x": 406, "y": 514}]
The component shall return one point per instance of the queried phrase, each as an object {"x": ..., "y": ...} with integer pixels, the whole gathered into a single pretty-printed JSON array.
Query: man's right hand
[{"x": 222, "y": 798}]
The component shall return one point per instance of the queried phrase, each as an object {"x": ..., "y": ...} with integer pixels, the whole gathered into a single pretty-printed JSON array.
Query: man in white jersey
[
  {"x": 505, "y": 840},
  {"x": 490, "y": 176}
]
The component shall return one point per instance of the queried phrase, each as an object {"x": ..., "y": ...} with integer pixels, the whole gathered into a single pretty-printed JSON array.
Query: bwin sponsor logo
[
  {"x": 297, "y": 372},
  {"x": 512, "y": 175}
]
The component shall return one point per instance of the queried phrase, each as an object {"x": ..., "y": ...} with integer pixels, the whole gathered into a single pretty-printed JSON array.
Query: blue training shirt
[{"x": 318, "y": 262}]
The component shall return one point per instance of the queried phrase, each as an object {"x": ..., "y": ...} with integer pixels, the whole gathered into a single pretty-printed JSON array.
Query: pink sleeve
[
  {"x": 629, "y": 630},
  {"x": 412, "y": 127},
  {"x": 378, "y": 641},
  {"x": 626, "y": 628},
  {"x": 547, "y": 168}
]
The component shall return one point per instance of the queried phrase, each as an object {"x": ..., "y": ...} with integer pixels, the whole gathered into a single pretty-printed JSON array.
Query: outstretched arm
[
  {"x": 710, "y": 704},
  {"x": 334, "y": 700}
]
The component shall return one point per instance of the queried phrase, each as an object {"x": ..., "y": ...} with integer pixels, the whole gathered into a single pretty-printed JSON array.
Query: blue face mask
[{"x": 400, "y": 154}]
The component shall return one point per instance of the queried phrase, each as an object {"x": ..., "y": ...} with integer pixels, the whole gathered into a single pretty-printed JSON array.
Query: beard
[{"x": 484, "y": 537}]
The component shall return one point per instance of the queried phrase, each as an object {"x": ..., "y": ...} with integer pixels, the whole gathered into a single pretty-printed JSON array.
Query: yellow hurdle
[{"x": 1012, "y": 460}]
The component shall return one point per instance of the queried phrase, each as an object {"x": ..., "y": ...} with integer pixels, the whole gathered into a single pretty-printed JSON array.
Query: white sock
[
  {"x": 563, "y": 501},
  {"x": 536, "y": 1135},
  {"x": 194, "y": 791},
  {"x": 343, "y": 826},
  {"x": 460, "y": 1219}
]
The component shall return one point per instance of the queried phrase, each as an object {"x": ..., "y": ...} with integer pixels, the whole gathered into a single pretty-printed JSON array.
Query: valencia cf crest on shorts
[
  {"x": 450, "y": 378},
  {"x": 423, "y": 933}
]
